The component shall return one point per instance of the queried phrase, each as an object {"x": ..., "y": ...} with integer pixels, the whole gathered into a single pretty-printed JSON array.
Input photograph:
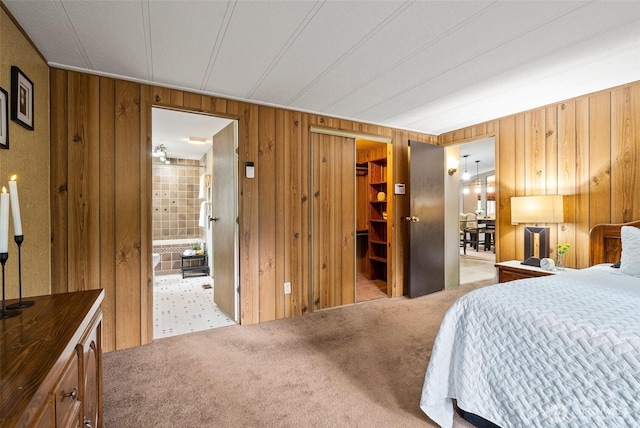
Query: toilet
[{"x": 156, "y": 260}]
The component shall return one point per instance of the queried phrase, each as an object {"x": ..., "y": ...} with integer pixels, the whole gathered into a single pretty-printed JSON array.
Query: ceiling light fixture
[
  {"x": 478, "y": 184},
  {"x": 465, "y": 175},
  {"x": 197, "y": 140},
  {"x": 159, "y": 152}
]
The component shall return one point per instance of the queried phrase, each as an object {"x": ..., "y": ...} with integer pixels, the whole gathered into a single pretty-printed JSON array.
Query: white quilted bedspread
[{"x": 555, "y": 351}]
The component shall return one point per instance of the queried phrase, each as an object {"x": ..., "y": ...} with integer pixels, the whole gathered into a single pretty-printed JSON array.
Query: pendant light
[
  {"x": 478, "y": 189},
  {"x": 465, "y": 175}
]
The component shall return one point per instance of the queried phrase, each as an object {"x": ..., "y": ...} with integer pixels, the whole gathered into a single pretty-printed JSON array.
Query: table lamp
[{"x": 536, "y": 209}]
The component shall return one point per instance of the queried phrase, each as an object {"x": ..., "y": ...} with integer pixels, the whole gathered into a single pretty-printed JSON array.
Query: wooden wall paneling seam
[
  {"x": 498, "y": 194},
  {"x": 267, "y": 191},
  {"x": 625, "y": 141},
  {"x": 161, "y": 95},
  {"x": 128, "y": 211},
  {"x": 281, "y": 165},
  {"x": 59, "y": 175},
  {"x": 567, "y": 176},
  {"x": 146, "y": 190},
  {"x": 192, "y": 101},
  {"x": 289, "y": 194},
  {"x": 107, "y": 212},
  {"x": 83, "y": 155},
  {"x": 600, "y": 158},
  {"x": 294, "y": 232},
  {"x": 305, "y": 233},
  {"x": 583, "y": 183},
  {"x": 249, "y": 212},
  {"x": 535, "y": 183},
  {"x": 315, "y": 224},
  {"x": 335, "y": 203},
  {"x": 176, "y": 98},
  {"x": 520, "y": 185},
  {"x": 551, "y": 164}
]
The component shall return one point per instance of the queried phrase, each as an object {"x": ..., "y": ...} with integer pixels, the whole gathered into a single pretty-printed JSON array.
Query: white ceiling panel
[
  {"x": 49, "y": 30},
  {"x": 541, "y": 65},
  {"x": 112, "y": 37},
  {"x": 334, "y": 30},
  {"x": 178, "y": 58},
  {"x": 429, "y": 66},
  {"x": 258, "y": 34},
  {"x": 414, "y": 29},
  {"x": 499, "y": 29}
]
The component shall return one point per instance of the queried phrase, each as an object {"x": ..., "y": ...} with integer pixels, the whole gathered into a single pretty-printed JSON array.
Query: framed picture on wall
[
  {"x": 21, "y": 98},
  {"x": 4, "y": 119}
]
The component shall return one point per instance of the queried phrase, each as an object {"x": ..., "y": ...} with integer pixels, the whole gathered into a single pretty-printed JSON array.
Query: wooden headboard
[{"x": 605, "y": 244}]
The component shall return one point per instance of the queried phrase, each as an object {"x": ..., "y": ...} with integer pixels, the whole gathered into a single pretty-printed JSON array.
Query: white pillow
[{"x": 630, "y": 259}]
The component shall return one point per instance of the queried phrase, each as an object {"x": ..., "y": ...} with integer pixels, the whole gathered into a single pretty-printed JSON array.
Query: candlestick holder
[
  {"x": 21, "y": 303},
  {"x": 5, "y": 313}
]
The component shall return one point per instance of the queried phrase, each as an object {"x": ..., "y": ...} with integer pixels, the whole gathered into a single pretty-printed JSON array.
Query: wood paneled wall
[
  {"x": 101, "y": 198},
  {"x": 586, "y": 148}
]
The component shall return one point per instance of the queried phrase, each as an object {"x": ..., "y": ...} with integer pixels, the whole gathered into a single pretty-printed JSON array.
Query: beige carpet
[{"x": 356, "y": 366}]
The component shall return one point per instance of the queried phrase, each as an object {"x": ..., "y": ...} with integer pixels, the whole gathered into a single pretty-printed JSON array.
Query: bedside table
[{"x": 514, "y": 269}]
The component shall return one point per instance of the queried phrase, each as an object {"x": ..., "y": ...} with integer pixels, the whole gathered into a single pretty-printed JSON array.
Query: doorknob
[
  {"x": 412, "y": 219},
  {"x": 213, "y": 218}
]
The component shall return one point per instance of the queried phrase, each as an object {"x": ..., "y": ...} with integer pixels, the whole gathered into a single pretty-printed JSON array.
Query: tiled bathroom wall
[
  {"x": 176, "y": 210},
  {"x": 176, "y": 206}
]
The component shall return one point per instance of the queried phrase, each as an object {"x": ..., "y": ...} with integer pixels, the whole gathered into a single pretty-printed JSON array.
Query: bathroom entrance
[{"x": 184, "y": 150}]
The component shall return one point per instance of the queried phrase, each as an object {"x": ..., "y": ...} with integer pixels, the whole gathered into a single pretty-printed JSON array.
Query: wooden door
[
  {"x": 333, "y": 214},
  {"x": 426, "y": 229},
  {"x": 224, "y": 213}
]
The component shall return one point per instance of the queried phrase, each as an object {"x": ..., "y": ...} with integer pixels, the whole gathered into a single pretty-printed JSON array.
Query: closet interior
[{"x": 373, "y": 211}]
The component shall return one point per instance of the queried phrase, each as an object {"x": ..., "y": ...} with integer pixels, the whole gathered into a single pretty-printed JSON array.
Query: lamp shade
[{"x": 537, "y": 209}]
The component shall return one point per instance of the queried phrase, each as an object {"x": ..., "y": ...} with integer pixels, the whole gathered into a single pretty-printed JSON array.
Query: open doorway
[
  {"x": 373, "y": 206},
  {"x": 477, "y": 210},
  {"x": 182, "y": 231}
]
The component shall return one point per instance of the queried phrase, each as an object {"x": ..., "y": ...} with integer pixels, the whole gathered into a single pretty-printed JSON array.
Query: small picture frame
[
  {"x": 21, "y": 98},
  {"x": 4, "y": 119}
]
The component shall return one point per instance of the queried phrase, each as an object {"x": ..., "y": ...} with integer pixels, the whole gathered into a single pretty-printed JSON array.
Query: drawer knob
[{"x": 73, "y": 394}]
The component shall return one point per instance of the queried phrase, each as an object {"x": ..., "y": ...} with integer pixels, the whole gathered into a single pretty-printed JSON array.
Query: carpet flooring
[{"x": 356, "y": 366}]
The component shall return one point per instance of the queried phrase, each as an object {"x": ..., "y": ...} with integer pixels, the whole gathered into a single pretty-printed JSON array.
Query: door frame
[
  {"x": 453, "y": 208},
  {"x": 148, "y": 292},
  {"x": 355, "y": 135}
]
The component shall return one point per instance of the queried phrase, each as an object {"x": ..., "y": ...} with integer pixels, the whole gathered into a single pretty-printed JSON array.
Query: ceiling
[{"x": 428, "y": 66}]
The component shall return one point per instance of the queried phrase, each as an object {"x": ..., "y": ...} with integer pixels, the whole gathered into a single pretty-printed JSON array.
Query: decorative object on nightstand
[
  {"x": 536, "y": 209},
  {"x": 561, "y": 250},
  {"x": 547, "y": 264}
]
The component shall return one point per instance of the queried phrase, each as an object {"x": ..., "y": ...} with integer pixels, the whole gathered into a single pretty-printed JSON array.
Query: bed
[{"x": 560, "y": 350}]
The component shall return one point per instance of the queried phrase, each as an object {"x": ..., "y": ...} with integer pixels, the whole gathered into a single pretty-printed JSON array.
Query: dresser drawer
[{"x": 67, "y": 393}]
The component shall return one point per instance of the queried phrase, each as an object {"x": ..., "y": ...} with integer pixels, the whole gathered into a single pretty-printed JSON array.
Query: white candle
[
  {"x": 4, "y": 221},
  {"x": 15, "y": 206}
]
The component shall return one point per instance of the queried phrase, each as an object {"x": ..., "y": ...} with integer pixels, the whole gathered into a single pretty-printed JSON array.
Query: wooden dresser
[{"x": 51, "y": 362}]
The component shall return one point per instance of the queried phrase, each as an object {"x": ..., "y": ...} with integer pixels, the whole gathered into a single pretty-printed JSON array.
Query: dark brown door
[{"x": 426, "y": 228}]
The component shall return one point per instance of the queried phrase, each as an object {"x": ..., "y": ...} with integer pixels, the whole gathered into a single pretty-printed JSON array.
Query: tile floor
[{"x": 183, "y": 306}]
